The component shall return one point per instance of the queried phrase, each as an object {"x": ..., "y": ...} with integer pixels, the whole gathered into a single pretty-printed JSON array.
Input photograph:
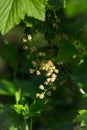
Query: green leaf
[
  {"x": 13, "y": 128},
  {"x": 36, "y": 107},
  {"x": 66, "y": 51},
  {"x": 82, "y": 129},
  {"x": 10, "y": 118},
  {"x": 10, "y": 54},
  {"x": 26, "y": 109},
  {"x": 82, "y": 117},
  {"x": 13, "y": 11},
  {"x": 20, "y": 109},
  {"x": 18, "y": 95},
  {"x": 6, "y": 88},
  {"x": 75, "y": 7}
]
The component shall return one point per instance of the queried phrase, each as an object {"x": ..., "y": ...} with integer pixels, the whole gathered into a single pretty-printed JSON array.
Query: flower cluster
[
  {"x": 40, "y": 65},
  {"x": 36, "y": 63},
  {"x": 50, "y": 72},
  {"x": 41, "y": 54},
  {"x": 28, "y": 46}
]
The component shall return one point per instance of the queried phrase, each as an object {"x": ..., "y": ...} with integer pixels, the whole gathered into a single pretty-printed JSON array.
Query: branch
[{"x": 72, "y": 81}]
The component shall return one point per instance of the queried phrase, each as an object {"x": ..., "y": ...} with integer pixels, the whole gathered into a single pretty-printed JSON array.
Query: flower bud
[
  {"x": 41, "y": 87},
  {"x": 29, "y": 37},
  {"x": 38, "y": 72},
  {"x": 31, "y": 71},
  {"x": 41, "y": 96}
]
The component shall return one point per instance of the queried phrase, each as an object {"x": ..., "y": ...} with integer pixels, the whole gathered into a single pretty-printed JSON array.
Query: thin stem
[
  {"x": 31, "y": 123},
  {"x": 26, "y": 125}
]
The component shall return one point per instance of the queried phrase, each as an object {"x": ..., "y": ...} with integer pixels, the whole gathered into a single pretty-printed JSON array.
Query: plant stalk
[
  {"x": 26, "y": 125},
  {"x": 30, "y": 123}
]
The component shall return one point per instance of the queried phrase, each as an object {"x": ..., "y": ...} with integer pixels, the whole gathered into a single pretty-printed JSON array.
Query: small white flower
[
  {"x": 41, "y": 87},
  {"x": 50, "y": 63},
  {"x": 53, "y": 88},
  {"x": 49, "y": 93},
  {"x": 41, "y": 96},
  {"x": 24, "y": 40},
  {"x": 47, "y": 66},
  {"x": 38, "y": 72},
  {"x": 43, "y": 54},
  {"x": 25, "y": 47},
  {"x": 37, "y": 95},
  {"x": 54, "y": 75},
  {"x": 40, "y": 54},
  {"x": 34, "y": 63},
  {"x": 31, "y": 71},
  {"x": 48, "y": 74},
  {"x": 46, "y": 83},
  {"x": 42, "y": 66},
  {"x": 52, "y": 79},
  {"x": 53, "y": 67},
  {"x": 56, "y": 70},
  {"x": 48, "y": 79},
  {"x": 29, "y": 37},
  {"x": 51, "y": 71}
]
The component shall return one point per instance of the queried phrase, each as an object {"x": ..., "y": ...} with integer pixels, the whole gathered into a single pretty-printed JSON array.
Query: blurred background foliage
[{"x": 64, "y": 31}]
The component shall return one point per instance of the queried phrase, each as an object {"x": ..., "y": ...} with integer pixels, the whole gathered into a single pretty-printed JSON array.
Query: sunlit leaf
[
  {"x": 13, "y": 11},
  {"x": 82, "y": 117}
]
